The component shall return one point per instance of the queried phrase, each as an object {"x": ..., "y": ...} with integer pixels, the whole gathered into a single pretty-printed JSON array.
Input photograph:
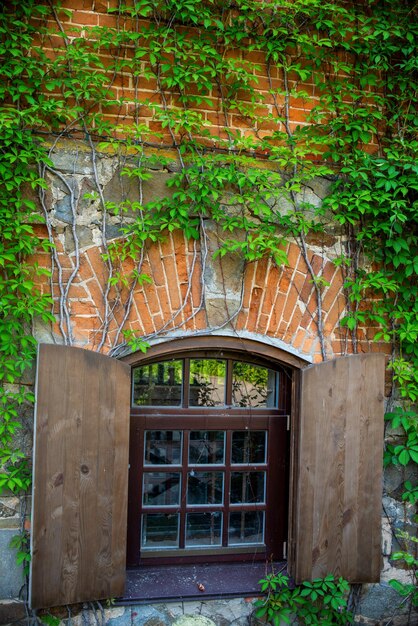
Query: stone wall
[{"x": 190, "y": 292}]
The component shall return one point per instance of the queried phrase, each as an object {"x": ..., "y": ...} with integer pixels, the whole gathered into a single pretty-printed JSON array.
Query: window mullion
[
  {"x": 183, "y": 499},
  {"x": 186, "y": 383},
  {"x": 228, "y": 399},
  {"x": 227, "y": 482}
]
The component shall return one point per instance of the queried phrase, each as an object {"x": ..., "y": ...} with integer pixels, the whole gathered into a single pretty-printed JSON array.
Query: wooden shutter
[
  {"x": 338, "y": 489},
  {"x": 80, "y": 477}
]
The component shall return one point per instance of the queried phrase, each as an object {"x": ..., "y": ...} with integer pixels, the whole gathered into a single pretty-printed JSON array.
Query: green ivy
[
  {"x": 353, "y": 65},
  {"x": 322, "y": 601}
]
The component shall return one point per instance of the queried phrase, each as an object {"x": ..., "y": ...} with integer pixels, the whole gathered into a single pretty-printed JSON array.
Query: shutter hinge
[
  {"x": 288, "y": 423},
  {"x": 285, "y": 549}
]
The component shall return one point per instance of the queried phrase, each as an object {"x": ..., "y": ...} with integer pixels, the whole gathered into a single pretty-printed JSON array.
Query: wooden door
[
  {"x": 80, "y": 477},
  {"x": 338, "y": 470}
]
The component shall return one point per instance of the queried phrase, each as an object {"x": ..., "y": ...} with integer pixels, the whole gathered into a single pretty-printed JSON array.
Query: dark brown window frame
[{"x": 162, "y": 417}]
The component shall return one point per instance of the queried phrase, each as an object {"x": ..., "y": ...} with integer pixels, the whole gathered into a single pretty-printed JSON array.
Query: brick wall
[{"x": 189, "y": 290}]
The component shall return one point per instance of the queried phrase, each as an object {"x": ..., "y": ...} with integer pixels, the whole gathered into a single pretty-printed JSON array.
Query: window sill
[{"x": 184, "y": 582}]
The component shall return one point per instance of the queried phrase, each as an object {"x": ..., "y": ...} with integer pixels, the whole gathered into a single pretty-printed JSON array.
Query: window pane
[
  {"x": 207, "y": 382},
  {"x": 163, "y": 447},
  {"x": 161, "y": 489},
  {"x": 158, "y": 384},
  {"x": 205, "y": 488},
  {"x": 246, "y": 527},
  {"x": 253, "y": 386},
  {"x": 207, "y": 447},
  {"x": 249, "y": 447},
  {"x": 247, "y": 487},
  {"x": 160, "y": 530},
  {"x": 203, "y": 529}
]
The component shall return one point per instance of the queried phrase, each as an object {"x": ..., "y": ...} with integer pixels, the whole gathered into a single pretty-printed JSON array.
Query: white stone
[{"x": 193, "y": 620}]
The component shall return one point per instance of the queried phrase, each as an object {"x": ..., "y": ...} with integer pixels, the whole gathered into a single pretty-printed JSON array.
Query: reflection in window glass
[
  {"x": 158, "y": 384},
  {"x": 161, "y": 489},
  {"x": 246, "y": 527},
  {"x": 160, "y": 530},
  {"x": 207, "y": 447},
  {"x": 163, "y": 447},
  {"x": 249, "y": 447},
  {"x": 203, "y": 529},
  {"x": 253, "y": 386},
  {"x": 247, "y": 487},
  {"x": 207, "y": 382},
  {"x": 205, "y": 487}
]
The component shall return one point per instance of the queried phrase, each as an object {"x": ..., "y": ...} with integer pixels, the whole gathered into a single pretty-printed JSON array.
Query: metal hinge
[
  {"x": 285, "y": 549},
  {"x": 288, "y": 423}
]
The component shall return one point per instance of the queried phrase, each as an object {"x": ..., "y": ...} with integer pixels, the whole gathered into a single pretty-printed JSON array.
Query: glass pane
[
  {"x": 161, "y": 489},
  {"x": 207, "y": 382},
  {"x": 158, "y": 384},
  {"x": 203, "y": 529},
  {"x": 205, "y": 488},
  {"x": 163, "y": 447},
  {"x": 160, "y": 530},
  {"x": 246, "y": 527},
  {"x": 253, "y": 385},
  {"x": 249, "y": 446},
  {"x": 207, "y": 447},
  {"x": 247, "y": 487}
]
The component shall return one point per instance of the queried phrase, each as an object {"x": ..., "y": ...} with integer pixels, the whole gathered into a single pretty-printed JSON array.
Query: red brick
[
  {"x": 85, "y": 5},
  {"x": 84, "y": 17},
  {"x": 107, "y": 20},
  {"x": 270, "y": 291},
  {"x": 293, "y": 255},
  {"x": 307, "y": 289},
  {"x": 285, "y": 280},
  {"x": 143, "y": 312},
  {"x": 241, "y": 320},
  {"x": 152, "y": 299},
  {"x": 200, "y": 321},
  {"x": 296, "y": 320},
  {"x": 90, "y": 323},
  {"x": 156, "y": 266},
  {"x": 332, "y": 291},
  {"x": 299, "y": 339},
  {"x": 97, "y": 264},
  {"x": 249, "y": 274},
  {"x": 276, "y": 313},
  {"x": 262, "y": 323},
  {"x": 256, "y": 295},
  {"x": 293, "y": 296},
  {"x": 83, "y": 308},
  {"x": 333, "y": 317},
  {"x": 196, "y": 290},
  {"x": 261, "y": 271}
]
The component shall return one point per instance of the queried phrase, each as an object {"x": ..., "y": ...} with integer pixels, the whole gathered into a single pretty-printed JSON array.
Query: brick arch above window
[{"x": 251, "y": 344}]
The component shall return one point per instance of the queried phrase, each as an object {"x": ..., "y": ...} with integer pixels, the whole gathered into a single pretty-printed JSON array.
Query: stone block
[
  {"x": 194, "y": 620},
  {"x": 149, "y": 616},
  {"x": 118, "y": 617},
  {"x": 381, "y": 601},
  {"x": 72, "y": 162},
  {"x": 63, "y": 210},
  {"x": 84, "y": 236},
  {"x": 11, "y": 574},
  {"x": 222, "y": 280},
  {"x": 12, "y": 612}
]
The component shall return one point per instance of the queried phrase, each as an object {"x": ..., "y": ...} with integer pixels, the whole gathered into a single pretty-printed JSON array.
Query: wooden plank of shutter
[
  {"x": 338, "y": 496},
  {"x": 80, "y": 477}
]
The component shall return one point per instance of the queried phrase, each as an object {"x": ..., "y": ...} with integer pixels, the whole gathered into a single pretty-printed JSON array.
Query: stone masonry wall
[{"x": 190, "y": 293}]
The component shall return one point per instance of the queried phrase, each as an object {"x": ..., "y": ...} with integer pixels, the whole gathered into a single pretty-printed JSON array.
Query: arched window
[{"x": 208, "y": 458}]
